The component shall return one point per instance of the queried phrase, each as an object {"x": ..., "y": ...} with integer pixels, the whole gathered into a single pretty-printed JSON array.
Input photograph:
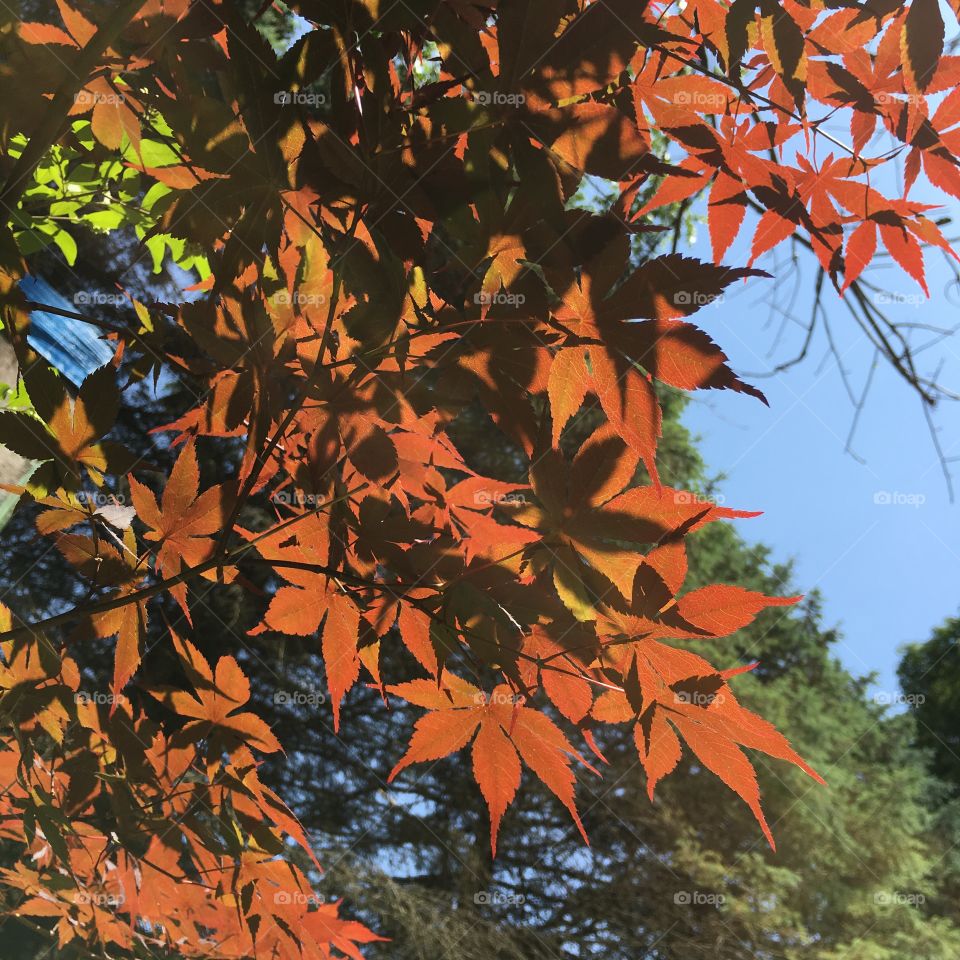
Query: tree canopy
[{"x": 415, "y": 234}]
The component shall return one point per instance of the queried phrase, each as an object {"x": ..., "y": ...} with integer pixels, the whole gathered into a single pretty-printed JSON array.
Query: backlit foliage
[{"x": 381, "y": 235}]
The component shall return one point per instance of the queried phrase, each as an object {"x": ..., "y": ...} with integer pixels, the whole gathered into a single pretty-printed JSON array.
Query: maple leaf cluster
[{"x": 385, "y": 233}]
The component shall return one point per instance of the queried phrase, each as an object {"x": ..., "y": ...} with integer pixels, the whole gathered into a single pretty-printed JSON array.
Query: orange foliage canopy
[{"x": 386, "y": 213}]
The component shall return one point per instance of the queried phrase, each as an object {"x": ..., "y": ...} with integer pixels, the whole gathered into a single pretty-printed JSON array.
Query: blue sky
[{"x": 879, "y": 538}]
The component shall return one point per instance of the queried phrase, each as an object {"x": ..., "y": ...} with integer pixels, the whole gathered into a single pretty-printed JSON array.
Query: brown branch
[{"x": 147, "y": 593}]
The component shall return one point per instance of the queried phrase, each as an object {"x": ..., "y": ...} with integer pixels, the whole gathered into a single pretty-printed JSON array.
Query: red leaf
[
  {"x": 567, "y": 386},
  {"x": 81, "y": 29},
  {"x": 630, "y": 404},
  {"x": 681, "y": 355},
  {"x": 436, "y": 735},
  {"x": 496, "y": 768},
  {"x": 217, "y": 697},
  {"x": 339, "y": 648},
  {"x": 130, "y": 623},
  {"x": 184, "y": 522},
  {"x": 45, "y": 33},
  {"x": 723, "y": 609},
  {"x": 725, "y": 213},
  {"x": 725, "y": 759},
  {"x": 771, "y": 230},
  {"x": 906, "y": 251},
  {"x": 658, "y": 747},
  {"x": 860, "y": 250},
  {"x": 536, "y": 738},
  {"x": 415, "y": 634},
  {"x": 563, "y": 680},
  {"x": 676, "y": 188},
  {"x": 942, "y": 173},
  {"x": 547, "y": 751}
]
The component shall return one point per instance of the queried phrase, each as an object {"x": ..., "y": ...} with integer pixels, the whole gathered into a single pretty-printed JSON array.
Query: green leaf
[{"x": 67, "y": 245}]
